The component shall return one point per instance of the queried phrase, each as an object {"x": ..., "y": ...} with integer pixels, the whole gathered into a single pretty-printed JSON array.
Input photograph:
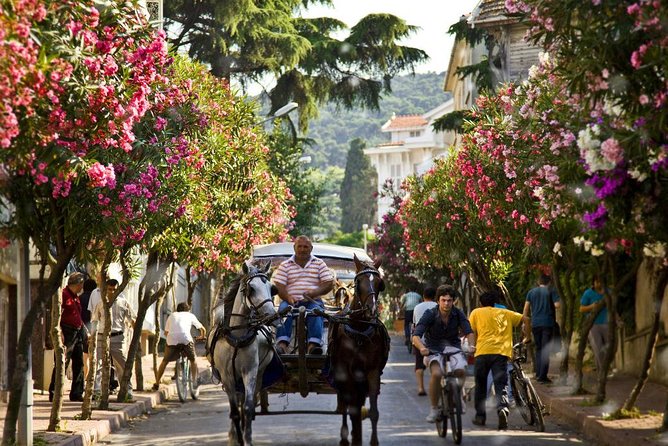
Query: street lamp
[
  {"x": 364, "y": 228},
  {"x": 287, "y": 108}
]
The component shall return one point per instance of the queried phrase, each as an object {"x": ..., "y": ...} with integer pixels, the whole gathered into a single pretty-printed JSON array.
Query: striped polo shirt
[{"x": 299, "y": 280}]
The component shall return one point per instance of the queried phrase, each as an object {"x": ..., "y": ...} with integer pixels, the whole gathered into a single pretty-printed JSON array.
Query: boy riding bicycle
[
  {"x": 441, "y": 328},
  {"x": 179, "y": 339}
]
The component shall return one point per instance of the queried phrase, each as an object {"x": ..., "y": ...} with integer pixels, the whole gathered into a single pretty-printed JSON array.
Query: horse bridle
[
  {"x": 372, "y": 292},
  {"x": 247, "y": 290}
]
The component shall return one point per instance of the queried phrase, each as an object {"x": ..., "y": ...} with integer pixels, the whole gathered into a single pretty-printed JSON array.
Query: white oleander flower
[{"x": 656, "y": 249}]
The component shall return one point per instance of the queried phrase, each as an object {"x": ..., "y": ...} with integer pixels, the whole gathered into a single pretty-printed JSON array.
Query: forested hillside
[{"x": 333, "y": 130}]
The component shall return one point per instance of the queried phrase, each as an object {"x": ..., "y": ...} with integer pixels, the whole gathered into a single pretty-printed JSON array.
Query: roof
[
  {"x": 404, "y": 122},
  {"x": 491, "y": 12},
  {"x": 335, "y": 256}
]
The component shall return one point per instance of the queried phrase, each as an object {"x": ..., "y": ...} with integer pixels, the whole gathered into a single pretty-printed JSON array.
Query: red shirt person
[{"x": 73, "y": 335}]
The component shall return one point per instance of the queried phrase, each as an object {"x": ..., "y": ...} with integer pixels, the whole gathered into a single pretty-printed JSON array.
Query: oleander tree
[
  {"x": 98, "y": 145},
  {"x": 623, "y": 147},
  {"x": 76, "y": 78},
  {"x": 233, "y": 200}
]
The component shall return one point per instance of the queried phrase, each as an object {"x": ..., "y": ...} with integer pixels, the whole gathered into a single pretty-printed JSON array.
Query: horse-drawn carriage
[{"x": 357, "y": 342}]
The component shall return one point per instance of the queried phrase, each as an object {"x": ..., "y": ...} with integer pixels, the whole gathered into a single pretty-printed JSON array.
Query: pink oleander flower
[
  {"x": 612, "y": 151},
  {"x": 101, "y": 176}
]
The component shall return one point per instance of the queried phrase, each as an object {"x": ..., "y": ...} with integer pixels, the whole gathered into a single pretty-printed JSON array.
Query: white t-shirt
[
  {"x": 420, "y": 308},
  {"x": 178, "y": 327}
]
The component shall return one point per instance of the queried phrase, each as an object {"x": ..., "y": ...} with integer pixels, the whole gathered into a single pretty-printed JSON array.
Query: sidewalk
[
  {"x": 574, "y": 410},
  {"x": 578, "y": 412},
  {"x": 87, "y": 432}
]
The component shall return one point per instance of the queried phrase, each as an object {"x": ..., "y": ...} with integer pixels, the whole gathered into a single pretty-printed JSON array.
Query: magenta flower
[{"x": 598, "y": 218}]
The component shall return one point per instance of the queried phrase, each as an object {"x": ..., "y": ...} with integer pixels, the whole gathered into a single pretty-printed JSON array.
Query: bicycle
[
  {"x": 450, "y": 401},
  {"x": 527, "y": 401},
  {"x": 185, "y": 382}
]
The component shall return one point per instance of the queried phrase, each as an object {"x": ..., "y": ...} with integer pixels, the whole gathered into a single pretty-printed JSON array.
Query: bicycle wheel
[
  {"x": 181, "y": 382},
  {"x": 536, "y": 408},
  {"x": 521, "y": 396},
  {"x": 442, "y": 420},
  {"x": 455, "y": 406}
]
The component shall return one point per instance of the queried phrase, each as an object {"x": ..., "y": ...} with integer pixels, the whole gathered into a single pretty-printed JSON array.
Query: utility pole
[{"x": 25, "y": 428}]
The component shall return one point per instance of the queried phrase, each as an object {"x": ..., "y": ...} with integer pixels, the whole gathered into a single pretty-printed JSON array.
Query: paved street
[{"x": 205, "y": 422}]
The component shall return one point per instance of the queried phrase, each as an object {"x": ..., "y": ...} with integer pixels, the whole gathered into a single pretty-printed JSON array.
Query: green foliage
[
  {"x": 481, "y": 73},
  {"x": 352, "y": 239},
  {"x": 249, "y": 40},
  {"x": 358, "y": 190},
  {"x": 452, "y": 121},
  {"x": 329, "y": 219},
  {"x": 284, "y": 161},
  {"x": 462, "y": 30},
  {"x": 335, "y": 127}
]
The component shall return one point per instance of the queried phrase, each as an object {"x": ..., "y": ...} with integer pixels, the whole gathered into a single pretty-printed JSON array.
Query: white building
[{"x": 412, "y": 148}]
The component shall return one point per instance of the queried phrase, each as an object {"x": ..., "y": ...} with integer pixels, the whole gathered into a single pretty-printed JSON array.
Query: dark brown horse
[{"x": 359, "y": 348}]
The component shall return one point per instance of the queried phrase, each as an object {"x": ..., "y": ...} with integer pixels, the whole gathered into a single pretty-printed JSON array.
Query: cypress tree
[{"x": 358, "y": 190}]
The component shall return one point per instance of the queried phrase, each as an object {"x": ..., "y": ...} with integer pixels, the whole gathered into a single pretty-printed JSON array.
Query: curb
[
  {"x": 121, "y": 414},
  {"x": 594, "y": 428}
]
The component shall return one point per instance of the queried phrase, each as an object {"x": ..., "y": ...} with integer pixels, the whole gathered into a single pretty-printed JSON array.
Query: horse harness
[
  {"x": 254, "y": 324},
  {"x": 372, "y": 292}
]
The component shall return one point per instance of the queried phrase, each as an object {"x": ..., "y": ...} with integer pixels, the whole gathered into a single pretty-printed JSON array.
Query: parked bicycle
[
  {"x": 527, "y": 401},
  {"x": 450, "y": 400}
]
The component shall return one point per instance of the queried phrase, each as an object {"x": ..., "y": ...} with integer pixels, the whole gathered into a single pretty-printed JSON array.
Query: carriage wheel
[{"x": 301, "y": 351}]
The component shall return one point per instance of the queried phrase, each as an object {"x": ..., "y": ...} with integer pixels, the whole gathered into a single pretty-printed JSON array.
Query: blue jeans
[
  {"x": 542, "y": 337},
  {"x": 314, "y": 324}
]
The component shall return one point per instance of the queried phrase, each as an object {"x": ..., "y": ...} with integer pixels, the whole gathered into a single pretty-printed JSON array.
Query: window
[
  {"x": 415, "y": 133},
  {"x": 395, "y": 174}
]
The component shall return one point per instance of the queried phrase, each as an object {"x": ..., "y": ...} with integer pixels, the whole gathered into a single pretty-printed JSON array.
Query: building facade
[{"x": 412, "y": 148}]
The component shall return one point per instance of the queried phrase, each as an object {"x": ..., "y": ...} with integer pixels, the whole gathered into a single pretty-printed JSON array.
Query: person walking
[
  {"x": 493, "y": 328},
  {"x": 302, "y": 280},
  {"x": 441, "y": 327},
  {"x": 541, "y": 302},
  {"x": 592, "y": 303},
  {"x": 122, "y": 322},
  {"x": 73, "y": 328},
  {"x": 428, "y": 296},
  {"x": 408, "y": 302}
]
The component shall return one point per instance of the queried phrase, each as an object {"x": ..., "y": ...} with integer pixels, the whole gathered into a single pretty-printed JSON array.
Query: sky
[{"x": 434, "y": 17}]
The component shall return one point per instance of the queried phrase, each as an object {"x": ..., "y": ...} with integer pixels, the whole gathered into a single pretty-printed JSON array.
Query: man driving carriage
[
  {"x": 442, "y": 327},
  {"x": 302, "y": 280}
]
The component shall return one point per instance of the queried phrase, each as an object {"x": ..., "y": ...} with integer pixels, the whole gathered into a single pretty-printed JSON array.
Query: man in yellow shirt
[{"x": 493, "y": 329}]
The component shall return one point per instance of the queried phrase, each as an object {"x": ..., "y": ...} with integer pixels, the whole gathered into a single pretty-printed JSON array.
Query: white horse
[{"x": 242, "y": 346}]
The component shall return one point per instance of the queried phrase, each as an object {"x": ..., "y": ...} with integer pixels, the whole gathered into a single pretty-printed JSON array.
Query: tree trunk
[
  {"x": 564, "y": 288},
  {"x": 45, "y": 292},
  {"x": 587, "y": 323},
  {"x": 139, "y": 373},
  {"x": 59, "y": 354},
  {"x": 106, "y": 357},
  {"x": 659, "y": 291},
  {"x": 153, "y": 284},
  {"x": 158, "y": 305}
]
